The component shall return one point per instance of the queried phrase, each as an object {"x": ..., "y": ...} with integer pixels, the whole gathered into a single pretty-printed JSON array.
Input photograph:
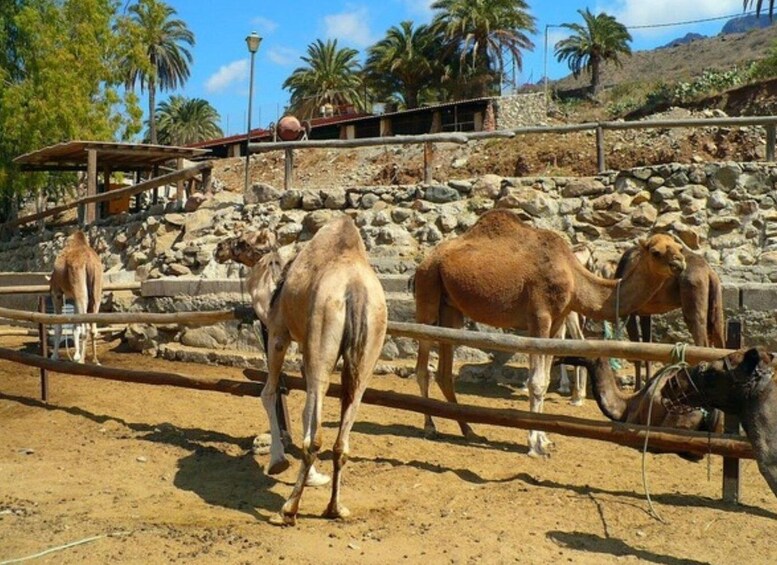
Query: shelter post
[{"x": 90, "y": 213}]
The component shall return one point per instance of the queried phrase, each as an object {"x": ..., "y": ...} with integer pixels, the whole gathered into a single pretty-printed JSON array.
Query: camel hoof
[
  {"x": 281, "y": 519},
  {"x": 338, "y": 512},
  {"x": 316, "y": 479},
  {"x": 278, "y": 467},
  {"x": 430, "y": 432},
  {"x": 538, "y": 453},
  {"x": 564, "y": 390},
  {"x": 577, "y": 401},
  {"x": 286, "y": 439}
]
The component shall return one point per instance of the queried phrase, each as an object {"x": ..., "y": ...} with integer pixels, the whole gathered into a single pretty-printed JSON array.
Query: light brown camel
[
  {"x": 78, "y": 274},
  {"x": 504, "y": 273},
  {"x": 329, "y": 300},
  {"x": 697, "y": 291},
  {"x": 742, "y": 384},
  {"x": 636, "y": 408}
]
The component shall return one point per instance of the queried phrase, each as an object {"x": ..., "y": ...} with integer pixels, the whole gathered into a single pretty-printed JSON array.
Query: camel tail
[
  {"x": 353, "y": 346},
  {"x": 92, "y": 292},
  {"x": 716, "y": 325}
]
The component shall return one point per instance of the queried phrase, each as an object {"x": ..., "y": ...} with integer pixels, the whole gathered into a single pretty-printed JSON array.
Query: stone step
[
  {"x": 393, "y": 265},
  {"x": 394, "y": 283},
  {"x": 401, "y": 306}
]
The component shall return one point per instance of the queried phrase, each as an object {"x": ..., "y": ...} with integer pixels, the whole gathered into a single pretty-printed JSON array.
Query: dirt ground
[{"x": 167, "y": 476}]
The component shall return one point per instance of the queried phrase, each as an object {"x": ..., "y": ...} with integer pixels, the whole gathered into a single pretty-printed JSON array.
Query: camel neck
[
  {"x": 262, "y": 282},
  {"x": 604, "y": 299}
]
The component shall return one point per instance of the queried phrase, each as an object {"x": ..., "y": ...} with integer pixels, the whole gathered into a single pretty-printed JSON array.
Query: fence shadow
[
  {"x": 592, "y": 543},
  {"x": 218, "y": 478}
]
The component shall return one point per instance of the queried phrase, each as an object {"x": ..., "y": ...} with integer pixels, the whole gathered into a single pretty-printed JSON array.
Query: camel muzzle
[{"x": 677, "y": 267}]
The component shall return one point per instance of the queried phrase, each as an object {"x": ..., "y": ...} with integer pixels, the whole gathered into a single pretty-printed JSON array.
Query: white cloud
[
  {"x": 640, "y": 12},
  {"x": 235, "y": 71},
  {"x": 421, "y": 8},
  {"x": 283, "y": 56},
  {"x": 349, "y": 27},
  {"x": 264, "y": 25},
  {"x": 554, "y": 36}
]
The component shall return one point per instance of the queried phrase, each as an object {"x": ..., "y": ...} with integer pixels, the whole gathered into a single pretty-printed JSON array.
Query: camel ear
[
  {"x": 755, "y": 369},
  {"x": 643, "y": 243}
]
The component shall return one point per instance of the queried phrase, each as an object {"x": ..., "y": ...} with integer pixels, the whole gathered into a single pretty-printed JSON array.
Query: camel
[
  {"x": 636, "y": 408},
  {"x": 743, "y": 384},
  {"x": 696, "y": 290},
  {"x": 78, "y": 274},
  {"x": 329, "y": 300},
  {"x": 504, "y": 273}
]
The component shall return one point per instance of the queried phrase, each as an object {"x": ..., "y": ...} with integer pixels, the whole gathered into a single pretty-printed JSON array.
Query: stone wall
[
  {"x": 725, "y": 212},
  {"x": 521, "y": 110}
]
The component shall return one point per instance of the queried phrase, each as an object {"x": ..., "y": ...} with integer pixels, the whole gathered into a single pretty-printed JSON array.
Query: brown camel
[
  {"x": 504, "y": 273},
  {"x": 329, "y": 300},
  {"x": 643, "y": 407},
  {"x": 742, "y": 384},
  {"x": 78, "y": 274},
  {"x": 696, "y": 290}
]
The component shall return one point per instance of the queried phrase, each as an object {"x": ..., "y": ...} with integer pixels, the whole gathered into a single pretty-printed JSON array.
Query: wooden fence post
[
  {"x": 44, "y": 352},
  {"x": 428, "y": 160},
  {"x": 731, "y": 467},
  {"x": 600, "y": 162},
  {"x": 288, "y": 168},
  {"x": 90, "y": 213},
  {"x": 771, "y": 136}
]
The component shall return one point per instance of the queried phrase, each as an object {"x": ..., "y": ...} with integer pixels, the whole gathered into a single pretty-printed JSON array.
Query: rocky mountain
[{"x": 746, "y": 23}]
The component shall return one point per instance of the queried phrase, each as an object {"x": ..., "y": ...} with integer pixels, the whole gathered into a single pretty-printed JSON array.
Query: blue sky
[{"x": 220, "y": 71}]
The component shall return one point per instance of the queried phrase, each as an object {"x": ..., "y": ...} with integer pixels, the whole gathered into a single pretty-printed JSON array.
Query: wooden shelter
[{"x": 108, "y": 157}]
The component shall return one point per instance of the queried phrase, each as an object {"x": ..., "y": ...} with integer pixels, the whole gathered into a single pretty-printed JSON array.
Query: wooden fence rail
[
  {"x": 622, "y": 434},
  {"x": 769, "y": 122},
  {"x": 44, "y": 288},
  {"x": 183, "y": 174},
  {"x": 200, "y": 318}
]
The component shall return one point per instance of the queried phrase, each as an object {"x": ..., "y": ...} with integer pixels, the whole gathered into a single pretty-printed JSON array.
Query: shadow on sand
[
  {"x": 592, "y": 543},
  {"x": 230, "y": 481}
]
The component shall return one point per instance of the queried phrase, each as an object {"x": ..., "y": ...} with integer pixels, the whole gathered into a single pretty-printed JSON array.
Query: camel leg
[
  {"x": 632, "y": 329},
  {"x": 93, "y": 332},
  {"x": 422, "y": 375},
  {"x": 694, "y": 300},
  {"x": 572, "y": 324},
  {"x": 564, "y": 386},
  {"x": 79, "y": 331},
  {"x": 57, "y": 299},
  {"x": 275, "y": 355},
  {"x": 539, "y": 378},
  {"x": 646, "y": 329},
  {"x": 451, "y": 318}
]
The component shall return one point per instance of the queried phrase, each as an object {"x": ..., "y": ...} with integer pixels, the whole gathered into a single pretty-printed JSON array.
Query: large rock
[
  {"x": 259, "y": 193},
  {"x": 529, "y": 200},
  {"x": 489, "y": 186},
  {"x": 441, "y": 194},
  {"x": 583, "y": 187}
]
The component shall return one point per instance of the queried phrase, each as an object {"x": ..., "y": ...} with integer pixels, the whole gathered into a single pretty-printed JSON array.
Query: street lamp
[{"x": 252, "y": 41}]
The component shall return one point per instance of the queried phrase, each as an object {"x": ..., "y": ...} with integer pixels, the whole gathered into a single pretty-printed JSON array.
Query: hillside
[{"x": 681, "y": 62}]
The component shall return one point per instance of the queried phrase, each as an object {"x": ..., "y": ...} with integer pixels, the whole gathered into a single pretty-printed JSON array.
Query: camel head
[
  {"x": 664, "y": 254},
  {"x": 728, "y": 384},
  {"x": 246, "y": 248}
]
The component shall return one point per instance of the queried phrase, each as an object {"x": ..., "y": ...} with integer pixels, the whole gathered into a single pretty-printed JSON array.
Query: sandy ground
[{"x": 166, "y": 476}]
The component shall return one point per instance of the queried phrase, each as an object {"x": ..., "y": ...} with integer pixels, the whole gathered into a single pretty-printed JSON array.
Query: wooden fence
[
  {"x": 730, "y": 446},
  {"x": 203, "y": 169},
  {"x": 769, "y": 122}
]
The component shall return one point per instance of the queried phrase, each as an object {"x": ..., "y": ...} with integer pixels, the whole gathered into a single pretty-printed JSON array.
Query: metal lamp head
[{"x": 253, "y": 41}]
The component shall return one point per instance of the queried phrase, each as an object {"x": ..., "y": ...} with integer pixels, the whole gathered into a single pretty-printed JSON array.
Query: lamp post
[{"x": 252, "y": 41}]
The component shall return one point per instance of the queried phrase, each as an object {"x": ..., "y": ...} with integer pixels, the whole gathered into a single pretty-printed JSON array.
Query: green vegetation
[
  {"x": 184, "y": 120},
  {"x": 600, "y": 40},
  {"x": 57, "y": 82},
  {"x": 156, "y": 56}
]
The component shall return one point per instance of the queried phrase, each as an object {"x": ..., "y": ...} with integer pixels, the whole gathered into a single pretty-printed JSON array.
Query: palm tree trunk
[
  {"x": 152, "y": 111},
  {"x": 596, "y": 70}
]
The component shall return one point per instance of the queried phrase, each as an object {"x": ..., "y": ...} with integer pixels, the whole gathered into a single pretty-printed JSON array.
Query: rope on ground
[
  {"x": 62, "y": 547},
  {"x": 678, "y": 362}
]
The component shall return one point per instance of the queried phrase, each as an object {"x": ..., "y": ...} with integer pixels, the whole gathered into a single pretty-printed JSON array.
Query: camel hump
[
  {"x": 78, "y": 238},
  {"x": 338, "y": 237},
  {"x": 497, "y": 223}
]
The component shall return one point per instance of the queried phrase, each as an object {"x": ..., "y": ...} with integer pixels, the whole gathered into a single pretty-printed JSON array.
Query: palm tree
[
  {"x": 157, "y": 56},
  {"x": 182, "y": 121},
  {"x": 331, "y": 76},
  {"x": 405, "y": 62},
  {"x": 601, "y": 39},
  {"x": 758, "y": 5},
  {"x": 483, "y": 31}
]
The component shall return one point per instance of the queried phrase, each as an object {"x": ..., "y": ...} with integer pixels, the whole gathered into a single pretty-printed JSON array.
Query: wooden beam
[
  {"x": 44, "y": 288},
  {"x": 571, "y": 347},
  {"x": 90, "y": 214},
  {"x": 428, "y": 161},
  {"x": 179, "y": 192},
  {"x": 288, "y": 169},
  {"x": 614, "y": 432},
  {"x": 622, "y": 434},
  {"x": 731, "y": 466},
  {"x": 195, "y": 318},
  {"x": 362, "y": 142},
  {"x": 189, "y": 172}
]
